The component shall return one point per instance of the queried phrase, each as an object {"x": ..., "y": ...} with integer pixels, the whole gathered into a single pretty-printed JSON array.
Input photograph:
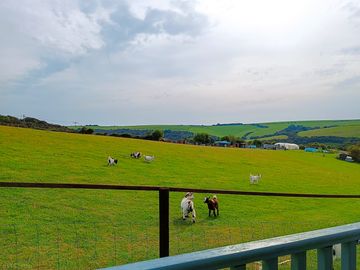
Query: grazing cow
[
  {"x": 254, "y": 179},
  {"x": 112, "y": 161},
  {"x": 187, "y": 206},
  {"x": 135, "y": 155},
  {"x": 212, "y": 204},
  {"x": 149, "y": 158}
]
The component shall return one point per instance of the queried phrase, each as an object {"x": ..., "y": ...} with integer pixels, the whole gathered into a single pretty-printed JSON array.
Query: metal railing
[
  {"x": 268, "y": 251},
  {"x": 164, "y": 199}
]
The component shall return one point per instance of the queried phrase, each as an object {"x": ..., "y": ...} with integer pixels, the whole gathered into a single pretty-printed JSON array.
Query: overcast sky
[{"x": 179, "y": 62}]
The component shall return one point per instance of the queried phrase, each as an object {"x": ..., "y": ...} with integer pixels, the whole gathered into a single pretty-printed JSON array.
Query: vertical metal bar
[
  {"x": 58, "y": 246},
  {"x": 348, "y": 256},
  {"x": 115, "y": 245},
  {"x": 298, "y": 261},
  {"x": 238, "y": 267},
  {"x": 325, "y": 260},
  {"x": 16, "y": 248},
  {"x": 164, "y": 222},
  {"x": 38, "y": 246},
  {"x": 270, "y": 264}
]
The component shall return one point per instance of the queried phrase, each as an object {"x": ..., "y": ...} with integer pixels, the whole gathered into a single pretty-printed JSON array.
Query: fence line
[
  {"x": 43, "y": 245},
  {"x": 173, "y": 189},
  {"x": 164, "y": 200}
]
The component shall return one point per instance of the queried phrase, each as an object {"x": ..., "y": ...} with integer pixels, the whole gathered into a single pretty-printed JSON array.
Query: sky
[{"x": 118, "y": 62}]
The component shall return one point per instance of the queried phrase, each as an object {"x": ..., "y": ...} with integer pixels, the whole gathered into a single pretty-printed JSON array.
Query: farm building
[
  {"x": 269, "y": 146},
  {"x": 251, "y": 146},
  {"x": 286, "y": 146},
  {"x": 222, "y": 143},
  {"x": 342, "y": 156},
  {"x": 240, "y": 145},
  {"x": 310, "y": 149}
]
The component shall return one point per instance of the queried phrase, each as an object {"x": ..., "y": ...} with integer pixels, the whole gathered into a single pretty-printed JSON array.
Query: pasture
[
  {"x": 81, "y": 229},
  {"x": 260, "y": 129},
  {"x": 344, "y": 131}
]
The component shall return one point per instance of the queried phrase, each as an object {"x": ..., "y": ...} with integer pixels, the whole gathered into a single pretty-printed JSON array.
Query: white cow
[
  {"x": 187, "y": 206},
  {"x": 254, "y": 179}
]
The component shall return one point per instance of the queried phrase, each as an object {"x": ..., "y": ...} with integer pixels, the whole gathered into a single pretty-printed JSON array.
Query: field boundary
[
  {"x": 173, "y": 189},
  {"x": 164, "y": 203}
]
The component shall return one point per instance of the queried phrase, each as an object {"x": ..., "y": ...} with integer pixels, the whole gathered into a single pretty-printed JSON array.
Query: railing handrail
[
  {"x": 173, "y": 189},
  {"x": 241, "y": 254}
]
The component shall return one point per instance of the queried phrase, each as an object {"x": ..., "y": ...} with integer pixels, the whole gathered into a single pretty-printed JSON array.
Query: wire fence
[
  {"x": 89, "y": 229},
  {"x": 80, "y": 245}
]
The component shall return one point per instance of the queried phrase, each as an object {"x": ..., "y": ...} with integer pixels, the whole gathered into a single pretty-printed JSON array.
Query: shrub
[
  {"x": 202, "y": 138},
  {"x": 157, "y": 135},
  {"x": 85, "y": 130},
  {"x": 354, "y": 151}
]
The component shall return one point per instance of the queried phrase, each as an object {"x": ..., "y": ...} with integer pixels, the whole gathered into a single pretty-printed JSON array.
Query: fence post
[
  {"x": 164, "y": 222},
  {"x": 325, "y": 260},
  {"x": 298, "y": 261},
  {"x": 348, "y": 255}
]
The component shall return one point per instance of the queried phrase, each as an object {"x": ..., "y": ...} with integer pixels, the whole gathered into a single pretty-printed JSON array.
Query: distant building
[
  {"x": 269, "y": 146},
  {"x": 310, "y": 149},
  {"x": 252, "y": 146},
  {"x": 342, "y": 156},
  {"x": 240, "y": 145},
  {"x": 286, "y": 146},
  {"x": 222, "y": 143}
]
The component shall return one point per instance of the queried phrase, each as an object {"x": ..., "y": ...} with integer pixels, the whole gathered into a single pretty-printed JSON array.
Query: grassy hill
[
  {"x": 342, "y": 131},
  {"x": 82, "y": 229},
  {"x": 249, "y": 131}
]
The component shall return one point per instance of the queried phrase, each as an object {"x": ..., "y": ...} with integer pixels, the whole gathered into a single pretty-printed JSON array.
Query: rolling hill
[
  {"x": 82, "y": 229},
  {"x": 336, "y": 132}
]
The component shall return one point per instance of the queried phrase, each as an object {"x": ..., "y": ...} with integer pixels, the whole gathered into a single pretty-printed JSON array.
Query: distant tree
[
  {"x": 354, "y": 151},
  {"x": 156, "y": 135},
  {"x": 202, "y": 138},
  {"x": 85, "y": 130},
  {"x": 232, "y": 139},
  {"x": 258, "y": 143}
]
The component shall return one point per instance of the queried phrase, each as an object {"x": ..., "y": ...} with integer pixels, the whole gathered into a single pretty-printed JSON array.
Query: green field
[
  {"x": 343, "y": 131},
  {"x": 271, "y": 128},
  {"x": 84, "y": 229}
]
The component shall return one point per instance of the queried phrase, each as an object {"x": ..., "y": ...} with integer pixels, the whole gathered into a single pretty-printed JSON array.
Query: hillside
[
  {"x": 337, "y": 132},
  {"x": 93, "y": 229},
  {"x": 340, "y": 131},
  {"x": 30, "y": 122}
]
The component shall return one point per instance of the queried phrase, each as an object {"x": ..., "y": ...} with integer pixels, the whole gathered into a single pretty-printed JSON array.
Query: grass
[
  {"x": 242, "y": 130},
  {"x": 81, "y": 229},
  {"x": 279, "y": 137},
  {"x": 344, "y": 131}
]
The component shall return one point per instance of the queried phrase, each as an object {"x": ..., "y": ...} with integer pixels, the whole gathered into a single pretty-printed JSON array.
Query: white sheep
[{"x": 149, "y": 158}]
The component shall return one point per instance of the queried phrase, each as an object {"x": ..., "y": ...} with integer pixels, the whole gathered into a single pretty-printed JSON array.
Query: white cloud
[
  {"x": 59, "y": 25},
  {"x": 181, "y": 61}
]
